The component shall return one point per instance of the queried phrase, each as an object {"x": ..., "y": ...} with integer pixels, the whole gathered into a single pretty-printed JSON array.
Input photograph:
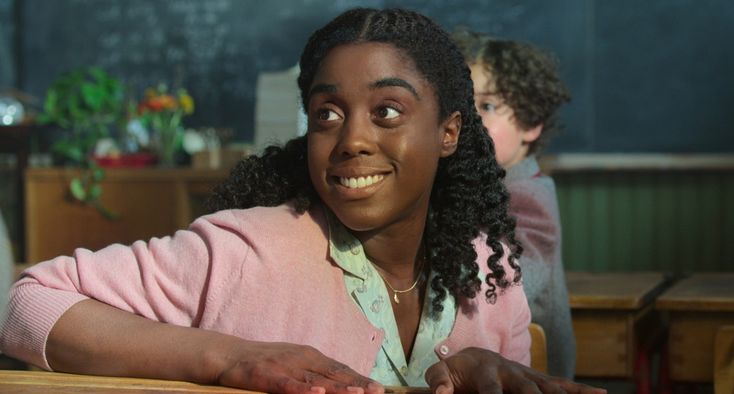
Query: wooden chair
[
  {"x": 724, "y": 360},
  {"x": 538, "y": 351}
]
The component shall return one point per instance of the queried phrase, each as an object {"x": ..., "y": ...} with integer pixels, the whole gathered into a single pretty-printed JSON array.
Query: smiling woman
[{"x": 285, "y": 287}]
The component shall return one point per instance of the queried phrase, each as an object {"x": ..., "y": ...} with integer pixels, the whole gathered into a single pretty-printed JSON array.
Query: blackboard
[{"x": 653, "y": 76}]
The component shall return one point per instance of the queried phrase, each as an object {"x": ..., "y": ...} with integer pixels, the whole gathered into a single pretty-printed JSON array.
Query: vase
[{"x": 167, "y": 143}]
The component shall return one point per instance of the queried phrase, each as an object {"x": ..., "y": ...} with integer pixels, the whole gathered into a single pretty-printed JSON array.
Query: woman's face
[{"x": 374, "y": 137}]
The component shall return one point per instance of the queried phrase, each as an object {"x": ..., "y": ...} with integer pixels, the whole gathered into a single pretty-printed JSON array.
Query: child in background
[
  {"x": 517, "y": 92},
  {"x": 379, "y": 244}
]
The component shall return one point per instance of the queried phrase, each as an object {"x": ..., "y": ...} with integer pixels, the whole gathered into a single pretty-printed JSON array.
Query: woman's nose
[{"x": 356, "y": 138}]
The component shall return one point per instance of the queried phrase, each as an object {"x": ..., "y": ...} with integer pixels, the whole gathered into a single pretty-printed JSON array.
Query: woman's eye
[
  {"x": 327, "y": 115},
  {"x": 388, "y": 113}
]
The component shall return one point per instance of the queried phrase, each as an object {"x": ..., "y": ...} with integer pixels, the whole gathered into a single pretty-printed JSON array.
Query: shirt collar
[
  {"x": 345, "y": 249},
  {"x": 526, "y": 168}
]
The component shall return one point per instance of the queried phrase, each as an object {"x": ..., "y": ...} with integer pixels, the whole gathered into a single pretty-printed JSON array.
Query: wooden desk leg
[
  {"x": 642, "y": 372},
  {"x": 664, "y": 386},
  {"x": 724, "y": 360}
]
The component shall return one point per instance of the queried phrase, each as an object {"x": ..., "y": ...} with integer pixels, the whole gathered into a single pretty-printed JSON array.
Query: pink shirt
[{"x": 236, "y": 272}]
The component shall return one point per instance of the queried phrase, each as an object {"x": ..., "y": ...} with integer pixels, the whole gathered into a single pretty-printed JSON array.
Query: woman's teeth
[{"x": 360, "y": 182}]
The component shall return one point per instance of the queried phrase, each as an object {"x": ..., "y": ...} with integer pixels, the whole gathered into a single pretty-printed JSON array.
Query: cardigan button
[{"x": 444, "y": 350}]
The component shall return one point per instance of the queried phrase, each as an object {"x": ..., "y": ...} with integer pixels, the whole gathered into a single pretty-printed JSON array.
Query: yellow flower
[{"x": 186, "y": 102}]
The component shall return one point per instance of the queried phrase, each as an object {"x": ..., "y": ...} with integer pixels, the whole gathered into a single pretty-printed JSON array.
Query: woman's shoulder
[
  {"x": 277, "y": 215},
  {"x": 272, "y": 223}
]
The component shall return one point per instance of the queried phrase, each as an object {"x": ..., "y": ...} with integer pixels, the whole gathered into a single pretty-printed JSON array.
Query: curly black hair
[
  {"x": 468, "y": 194},
  {"x": 525, "y": 77}
]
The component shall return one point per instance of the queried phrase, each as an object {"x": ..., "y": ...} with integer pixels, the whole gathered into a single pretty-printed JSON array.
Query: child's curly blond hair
[{"x": 525, "y": 78}]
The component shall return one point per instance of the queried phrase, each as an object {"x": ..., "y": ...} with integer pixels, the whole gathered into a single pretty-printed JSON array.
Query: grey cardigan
[{"x": 535, "y": 207}]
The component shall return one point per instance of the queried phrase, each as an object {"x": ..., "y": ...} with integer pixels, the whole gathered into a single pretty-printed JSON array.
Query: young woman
[{"x": 373, "y": 246}]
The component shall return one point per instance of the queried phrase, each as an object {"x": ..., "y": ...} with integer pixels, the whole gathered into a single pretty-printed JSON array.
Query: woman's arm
[
  {"x": 97, "y": 339},
  {"x": 166, "y": 279}
]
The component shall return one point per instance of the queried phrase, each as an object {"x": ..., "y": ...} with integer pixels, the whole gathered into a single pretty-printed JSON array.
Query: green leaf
[
  {"x": 92, "y": 97},
  {"x": 98, "y": 174},
  {"x": 107, "y": 213},
  {"x": 69, "y": 149},
  {"x": 95, "y": 191},
  {"x": 77, "y": 189}
]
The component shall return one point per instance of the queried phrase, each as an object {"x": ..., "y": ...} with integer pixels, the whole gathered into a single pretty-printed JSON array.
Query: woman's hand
[
  {"x": 95, "y": 338},
  {"x": 289, "y": 368},
  {"x": 474, "y": 370}
]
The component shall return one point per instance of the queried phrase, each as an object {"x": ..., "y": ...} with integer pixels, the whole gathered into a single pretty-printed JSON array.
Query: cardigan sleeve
[
  {"x": 165, "y": 279},
  {"x": 538, "y": 229},
  {"x": 518, "y": 345}
]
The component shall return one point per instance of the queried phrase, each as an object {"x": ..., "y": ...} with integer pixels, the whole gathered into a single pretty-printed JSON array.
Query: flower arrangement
[{"x": 162, "y": 113}]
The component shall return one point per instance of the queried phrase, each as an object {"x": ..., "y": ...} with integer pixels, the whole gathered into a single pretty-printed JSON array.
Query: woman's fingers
[
  {"x": 339, "y": 372},
  {"x": 486, "y": 372},
  {"x": 291, "y": 369},
  {"x": 572, "y": 387},
  {"x": 438, "y": 378},
  {"x": 335, "y": 377}
]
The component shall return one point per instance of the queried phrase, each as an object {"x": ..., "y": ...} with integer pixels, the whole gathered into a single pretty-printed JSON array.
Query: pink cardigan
[{"x": 263, "y": 274}]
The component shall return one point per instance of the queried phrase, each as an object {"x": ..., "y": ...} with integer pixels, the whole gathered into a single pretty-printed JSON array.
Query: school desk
[
  {"x": 613, "y": 321},
  {"x": 697, "y": 307},
  {"x": 27, "y": 382},
  {"x": 724, "y": 360}
]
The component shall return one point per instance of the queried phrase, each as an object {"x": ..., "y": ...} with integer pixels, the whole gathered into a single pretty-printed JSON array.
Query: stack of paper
[{"x": 278, "y": 113}]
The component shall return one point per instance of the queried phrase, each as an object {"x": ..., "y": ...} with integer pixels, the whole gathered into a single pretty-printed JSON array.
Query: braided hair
[{"x": 468, "y": 196}]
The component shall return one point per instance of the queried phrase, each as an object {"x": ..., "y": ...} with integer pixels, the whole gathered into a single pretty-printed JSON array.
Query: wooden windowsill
[{"x": 568, "y": 162}]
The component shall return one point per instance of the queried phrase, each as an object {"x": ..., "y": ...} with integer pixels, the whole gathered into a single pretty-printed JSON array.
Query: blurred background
[
  {"x": 117, "y": 117},
  {"x": 643, "y": 167}
]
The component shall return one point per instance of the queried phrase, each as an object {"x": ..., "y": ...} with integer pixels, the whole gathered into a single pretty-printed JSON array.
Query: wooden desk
[
  {"x": 612, "y": 316},
  {"x": 151, "y": 202},
  {"x": 697, "y": 307},
  {"x": 26, "y": 382},
  {"x": 56, "y": 383}
]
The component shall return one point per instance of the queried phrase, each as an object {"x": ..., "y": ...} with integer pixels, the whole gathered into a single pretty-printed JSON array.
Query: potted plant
[{"x": 86, "y": 103}]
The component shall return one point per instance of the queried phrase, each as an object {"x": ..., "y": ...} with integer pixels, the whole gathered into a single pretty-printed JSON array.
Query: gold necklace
[{"x": 395, "y": 291}]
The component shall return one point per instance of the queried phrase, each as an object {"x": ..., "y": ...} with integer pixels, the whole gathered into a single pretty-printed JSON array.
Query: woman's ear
[{"x": 451, "y": 128}]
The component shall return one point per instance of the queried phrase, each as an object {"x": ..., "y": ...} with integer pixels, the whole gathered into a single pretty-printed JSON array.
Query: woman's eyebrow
[
  {"x": 322, "y": 88},
  {"x": 398, "y": 82}
]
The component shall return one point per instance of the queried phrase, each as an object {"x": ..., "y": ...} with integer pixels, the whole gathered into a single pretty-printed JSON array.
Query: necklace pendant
[{"x": 395, "y": 297}]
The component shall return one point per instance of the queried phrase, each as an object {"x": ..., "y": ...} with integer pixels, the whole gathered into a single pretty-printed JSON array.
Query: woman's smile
[
  {"x": 357, "y": 182},
  {"x": 360, "y": 182}
]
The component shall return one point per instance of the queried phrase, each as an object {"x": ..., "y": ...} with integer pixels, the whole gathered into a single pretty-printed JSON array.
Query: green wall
[{"x": 677, "y": 221}]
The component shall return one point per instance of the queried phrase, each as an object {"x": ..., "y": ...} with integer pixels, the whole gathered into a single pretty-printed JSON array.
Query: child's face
[
  {"x": 374, "y": 137},
  {"x": 510, "y": 140}
]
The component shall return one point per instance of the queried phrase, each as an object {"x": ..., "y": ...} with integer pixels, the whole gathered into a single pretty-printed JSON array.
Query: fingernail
[
  {"x": 442, "y": 389},
  {"x": 318, "y": 390},
  {"x": 355, "y": 390},
  {"x": 375, "y": 388}
]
